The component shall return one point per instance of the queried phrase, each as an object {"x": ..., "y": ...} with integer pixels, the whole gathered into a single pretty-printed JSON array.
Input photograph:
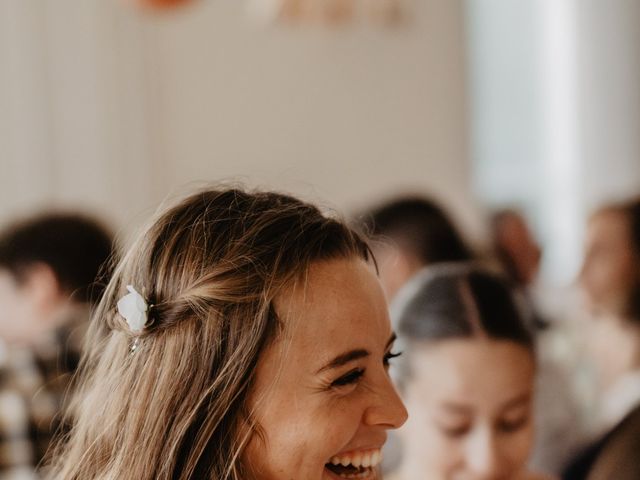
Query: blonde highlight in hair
[{"x": 176, "y": 408}]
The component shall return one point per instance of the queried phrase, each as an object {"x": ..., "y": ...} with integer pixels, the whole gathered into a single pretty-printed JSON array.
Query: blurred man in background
[
  {"x": 49, "y": 271},
  {"x": 411, "y": 233}
]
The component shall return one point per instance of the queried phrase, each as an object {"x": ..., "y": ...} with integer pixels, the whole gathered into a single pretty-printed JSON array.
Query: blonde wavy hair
[{"x": 176, "y": 408}]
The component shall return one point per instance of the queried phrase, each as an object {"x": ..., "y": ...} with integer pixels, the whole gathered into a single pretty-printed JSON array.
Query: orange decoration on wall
[
  {"x": 333, "y": 12},
  {"x": 161, "y": 3}
]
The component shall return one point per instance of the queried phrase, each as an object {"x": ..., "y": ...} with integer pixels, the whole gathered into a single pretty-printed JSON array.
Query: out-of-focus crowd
[
  {"x": 525, "y": 375},
  {"x": 584, "y": 410}
]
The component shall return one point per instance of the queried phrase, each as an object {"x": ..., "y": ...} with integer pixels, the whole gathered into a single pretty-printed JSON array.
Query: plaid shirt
[{"x": 33, "y": 387}]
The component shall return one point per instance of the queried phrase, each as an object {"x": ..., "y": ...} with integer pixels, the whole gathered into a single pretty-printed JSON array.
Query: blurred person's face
[
  {"x": 323, "y": 398},
  {"x": 515, "y": 239},
  {"x": 610, "y": 268},
  {"x": 27, "y": 305},
  {"x": 470, "y": 410}
]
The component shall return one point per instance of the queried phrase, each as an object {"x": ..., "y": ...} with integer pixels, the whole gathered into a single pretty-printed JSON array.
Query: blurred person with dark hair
[
  {"x": 467, "y": 377},
  {"x": 516, "y": 247},
  {"x": 412, "y": 232},
  {"x": 519, "y": 255},
  {"x": 610, "y": 280},
  {"x": 559, "y": 424},
  {"x": 49, "y": 278}
]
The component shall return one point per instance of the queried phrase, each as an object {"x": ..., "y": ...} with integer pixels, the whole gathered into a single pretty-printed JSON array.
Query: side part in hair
[{"x": 460, "y": 301}]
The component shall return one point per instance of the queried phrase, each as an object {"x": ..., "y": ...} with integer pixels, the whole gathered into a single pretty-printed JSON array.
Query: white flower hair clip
[{"x": 134, "y": 309}]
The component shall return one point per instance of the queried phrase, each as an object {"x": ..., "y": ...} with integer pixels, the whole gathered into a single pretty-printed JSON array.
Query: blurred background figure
[
  {"x": 414, "y": 234},
  {"x": 52, "y": 268},
  {"x": 411, "y": 233},
  {"x": 559, "y": 411},
  {"x": 519, "y": 256},
  {"x": 610, "y": 281},
  {"x": 516, "y": 247},
  {"x": 468, "y": 378}
]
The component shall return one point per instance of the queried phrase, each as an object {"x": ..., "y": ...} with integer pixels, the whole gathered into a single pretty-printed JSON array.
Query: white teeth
[{"x": 366, "y": 459}]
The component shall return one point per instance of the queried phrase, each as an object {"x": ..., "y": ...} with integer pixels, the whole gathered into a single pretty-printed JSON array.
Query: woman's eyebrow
[
  {"x": 345, "y": 358},
  {"x": 522, "y": 399},
  {"x": 352, "y": 355},
  {"x": 458, "y": 408},
  {"x": 392, "y": 339}
]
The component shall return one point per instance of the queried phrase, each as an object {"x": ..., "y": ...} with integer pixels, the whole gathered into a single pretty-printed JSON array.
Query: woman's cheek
[
  {"x": 341, "y": 425},
  {"x": 450, "y": 453},
  {"x": 519, "y": 448},
  {"x": 439, "y": 452}
]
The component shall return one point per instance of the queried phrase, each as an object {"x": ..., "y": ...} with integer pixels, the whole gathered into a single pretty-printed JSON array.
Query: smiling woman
[
  {"x": 332, "y": 379},
  {"x": 263, "y": 352}
]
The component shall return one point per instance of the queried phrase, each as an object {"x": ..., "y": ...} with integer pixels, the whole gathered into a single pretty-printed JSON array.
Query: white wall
[
  {"x": 555, "y": 112},
  {"x": 609, "y": 91},
  {"x": 73, "y": 125},
  {"x": 109, "y": 108}
]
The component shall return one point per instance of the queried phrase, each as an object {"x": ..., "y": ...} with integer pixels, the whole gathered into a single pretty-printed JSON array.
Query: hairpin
[{"x": 133, "y": 308}]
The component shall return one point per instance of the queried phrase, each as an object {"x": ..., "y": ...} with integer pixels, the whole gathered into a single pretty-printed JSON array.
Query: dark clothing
[{"x": 617, "y": 451}]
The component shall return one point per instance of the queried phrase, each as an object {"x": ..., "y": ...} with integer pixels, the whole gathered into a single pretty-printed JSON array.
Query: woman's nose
[
  {"x": 483, "y": 458},
  {"x": 387, "y": 409}
]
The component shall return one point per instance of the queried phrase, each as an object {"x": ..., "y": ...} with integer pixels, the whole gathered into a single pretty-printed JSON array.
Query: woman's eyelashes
[
  {"x": 355, "y": 375},
  {"x": 390, "y": 356},
  {"x": 504, "y": 426},
  {"x": 455, "y": 431},
  {"x": 513, "y": 425},
  {"x": 349, "y": 379}
]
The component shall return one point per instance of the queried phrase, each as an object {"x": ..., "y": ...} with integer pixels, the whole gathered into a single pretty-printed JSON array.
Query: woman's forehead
[
  {"x": 336, "y": 302},
  {"x": 469, "y": 367}
]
